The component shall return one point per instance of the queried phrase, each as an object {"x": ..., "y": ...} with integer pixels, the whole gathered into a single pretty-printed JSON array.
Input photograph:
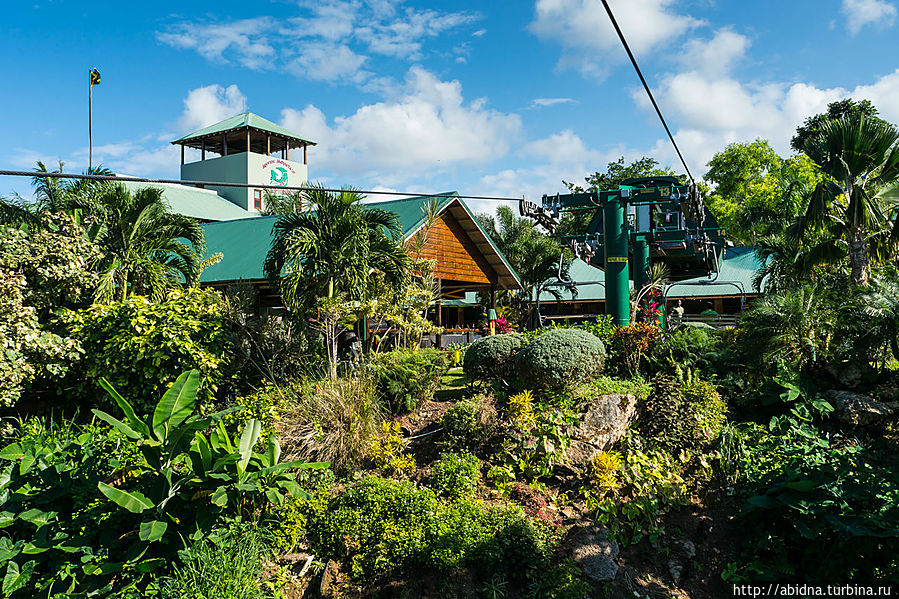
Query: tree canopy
[{"x": 835, "y": 111}]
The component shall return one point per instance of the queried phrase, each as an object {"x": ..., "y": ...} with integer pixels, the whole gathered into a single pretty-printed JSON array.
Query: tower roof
[{"x": 265, "y": 135}]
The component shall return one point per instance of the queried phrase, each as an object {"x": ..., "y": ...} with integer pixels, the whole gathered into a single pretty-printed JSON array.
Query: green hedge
[
  {"x": 492, "y": 358},
  {"x": 560, "y": 358}
]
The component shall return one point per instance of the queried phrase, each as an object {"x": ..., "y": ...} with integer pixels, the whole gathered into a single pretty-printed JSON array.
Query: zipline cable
[
  {"x": 203, "y": 184},
  {"x": 646, "y": 87}
]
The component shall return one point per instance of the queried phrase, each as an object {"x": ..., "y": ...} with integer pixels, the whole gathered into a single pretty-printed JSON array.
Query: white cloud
[
  {"x": 543, "y": 102},
  {"x": 868, "y": 12},
  {"x": 321, "y": 61},
  {"x": 589, "y": 42},
  {"x": 718, "y": 55},
  {"x": 428, "y": 128},
  {"x": 246, "y": 40},
  {"x": 330, "y": 40},
  {"x": 711, "y": 107},
  {"x": 204, "y": 106}
]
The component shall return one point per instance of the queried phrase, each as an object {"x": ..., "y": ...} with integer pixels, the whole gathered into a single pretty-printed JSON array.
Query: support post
[
  {"x": 439, "y": 313},
  {"x": 224, "y": 145},
  {"x": 268, "y": 144},
  {"x": 641, "y": 261},
  {"x": 182, "y": 154},
  {"x": 248, "y": 141},
  {"x": 305, "y": 157},
  {"x": 90, "y": 122},
  {"x": 615, "y": 234},
  {"x": 203, "y": 149}
]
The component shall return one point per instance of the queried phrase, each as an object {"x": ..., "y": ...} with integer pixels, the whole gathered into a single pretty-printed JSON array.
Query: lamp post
[{"x": 491, "y": 319}]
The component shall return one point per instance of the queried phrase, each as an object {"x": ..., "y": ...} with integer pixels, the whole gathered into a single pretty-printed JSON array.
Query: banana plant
[{"x": 199, "y": 475}]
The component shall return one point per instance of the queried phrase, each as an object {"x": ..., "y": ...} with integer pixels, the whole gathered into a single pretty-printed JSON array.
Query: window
[{"x": 257, "y": 199}]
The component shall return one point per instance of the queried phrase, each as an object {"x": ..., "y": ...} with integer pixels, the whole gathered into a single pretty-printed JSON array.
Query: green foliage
[
  {"x": 332, "y": 421},
  {"x": 407, "y": 378},
  {"x": 689, "y": 348},
  {"x": 750, "y": 181},
  {"x": 93, "y": 529},
  {"x": 534, "y": 452},
  {"x": 603, "y": 327},
  {"x": 383, "y": 528},
  {"x": 604, "y": 385},
  {"x": 41, "y": 272},
  {"x": 455, "y": 475},
  {"x": 655, "y": 486},
  {"x": 227, "y": 564},
  {"x": 560, "y": 358},
  {"x": 463, "y": 426},
  {"x": 707, "y": 408},
  {"x": 793, "y": 326},
  {"x": 826, "y": 507},
  {"x": 491, "y": 358},
  {"x": 57, "y": 532},
  {"x": 137, "y": 344},
  {"x": 603, "y": 470}
]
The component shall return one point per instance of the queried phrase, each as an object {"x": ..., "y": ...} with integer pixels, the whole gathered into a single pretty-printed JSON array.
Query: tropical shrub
[
  {"x": 331, "y": 421},
  {"x": 560, "y": 358},
  {"x": 665, "y": 417},
  {"x": 455, "y": 475},
  {"x": 492, "y": 358},
  {"x": 654, "y": 485},
  {"x": 603, "y": 468},
  {"x": 521, "y": 410},
  {"x": 463, "y": 425},
  {"x": 630, "y": 343},
  {"x": 382, "y": 528},
  {"x": 41, "y": 272},
  {"x": 707, "y": 407},
  {"x": 603, "y": 327},
  {"x": 691, "y": 348},
  {"x": 386, "y": 452},
  {"x": 137, "y": 344},
  {"x": 407, "y": 378},
  {"x": 534, "y": 452}
]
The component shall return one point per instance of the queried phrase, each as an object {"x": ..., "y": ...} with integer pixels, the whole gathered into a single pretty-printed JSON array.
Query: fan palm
[
  {"x": 880, "y": 305},
  {"x": 325, "y": 255},
  {"x": 856, "y": 205},
  {"x": 148, "y": 250}
]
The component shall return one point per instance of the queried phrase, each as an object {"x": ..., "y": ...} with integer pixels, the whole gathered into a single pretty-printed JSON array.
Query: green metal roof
[
  {"x": 247, "y": 119},
  {"x": 203, "y": 204},
  {"x": 736, "y": 272},
  {"x": 245, "y": 242}
]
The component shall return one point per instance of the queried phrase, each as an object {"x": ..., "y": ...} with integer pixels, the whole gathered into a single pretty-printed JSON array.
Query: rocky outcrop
[
  {"x": 595, "y": 553},
  {"x": 600, "y": 426},
  {"x": 856, "y": 409}
]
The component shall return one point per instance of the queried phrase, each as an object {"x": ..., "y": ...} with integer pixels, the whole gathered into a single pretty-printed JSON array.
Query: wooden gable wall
[{"x": 458, "y": 259}]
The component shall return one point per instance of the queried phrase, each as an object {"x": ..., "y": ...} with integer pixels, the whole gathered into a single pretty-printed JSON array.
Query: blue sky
[{"x": 503, "y": 97}]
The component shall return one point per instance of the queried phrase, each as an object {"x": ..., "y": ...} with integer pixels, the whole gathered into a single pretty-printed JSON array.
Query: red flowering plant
[
  {"x": 502, "y": 326},
  {"x": 650, "y": 308}
]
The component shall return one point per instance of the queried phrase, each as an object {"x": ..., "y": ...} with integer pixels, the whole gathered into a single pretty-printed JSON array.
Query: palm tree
[
  {"x": 880, "y": 304},
  {"x": 322, "y": 258},
  {"x": 533, "y": 255},
  {"x": 855, "y": 206},
  {"x": 147, "y": 249}
]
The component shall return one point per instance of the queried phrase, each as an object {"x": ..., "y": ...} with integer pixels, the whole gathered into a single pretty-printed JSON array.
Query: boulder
[
  {"x": 857, "y": 409},
  {"x": 595, "y": 553},
  {"x": 600, "y": 426}
]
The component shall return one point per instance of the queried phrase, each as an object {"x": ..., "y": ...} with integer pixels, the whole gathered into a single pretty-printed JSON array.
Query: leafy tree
[
  {"x": 534, "y": 256},
  {"x": 856, "y": 204},
  {"x": 321, "y": 260},
  {"x": 282, "y": 203},
  {"x": 52, "y": 195},
  {"x": 813, "y": 125},
  {"x": 751, "y": 181},
  {"x": 574, "y": 223},
  {"x": 148, "y": 250}
]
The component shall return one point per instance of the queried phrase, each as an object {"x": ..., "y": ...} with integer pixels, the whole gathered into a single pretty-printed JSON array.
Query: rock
[
  {"x": 856, "y": 409},
  {"x": 676, "y": 571},
  {"x": 688, "y": 548},
  {"x": 600, "y": 426},
  {"x": 594, "y": 553}
]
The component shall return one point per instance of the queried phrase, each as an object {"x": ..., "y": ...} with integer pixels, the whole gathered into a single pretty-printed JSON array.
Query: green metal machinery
[{"x": 645, "y": 219}]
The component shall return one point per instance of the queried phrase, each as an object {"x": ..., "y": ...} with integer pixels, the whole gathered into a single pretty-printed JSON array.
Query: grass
[{"x": 452, "y": 385}]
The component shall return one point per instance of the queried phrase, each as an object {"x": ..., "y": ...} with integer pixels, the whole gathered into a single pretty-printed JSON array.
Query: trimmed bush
[
  {"x": 561, "y": 358},
  {"x": 406, "y": 378},
  {"x": 492, "y": 358},
  {"x": 463, "y": 425},
  {"x": 455, "y": 475}
]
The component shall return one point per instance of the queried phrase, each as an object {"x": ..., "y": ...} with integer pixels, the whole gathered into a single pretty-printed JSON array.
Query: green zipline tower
[{"x": 645, "y": 218}]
